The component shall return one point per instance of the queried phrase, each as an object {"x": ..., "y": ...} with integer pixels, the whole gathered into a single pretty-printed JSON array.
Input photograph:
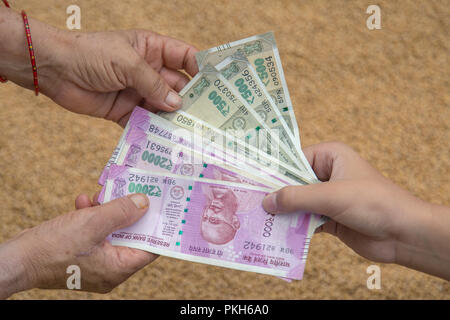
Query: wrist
[
  {"x": 424, "y": 243},
  {"x": 15, "y": 62},
  {"x": 13, "y": 271}
]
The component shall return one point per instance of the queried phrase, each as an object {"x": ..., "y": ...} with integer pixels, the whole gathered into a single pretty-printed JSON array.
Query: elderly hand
[
  {"x": 102, "y": 74},
  {"x": 39, "y": 257}
]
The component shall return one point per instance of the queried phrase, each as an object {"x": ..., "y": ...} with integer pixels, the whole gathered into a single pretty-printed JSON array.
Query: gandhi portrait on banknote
[{"x": 219, "y": 220}]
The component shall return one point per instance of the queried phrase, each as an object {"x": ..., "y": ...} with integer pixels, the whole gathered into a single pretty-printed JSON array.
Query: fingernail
[
  {"x": 270, "y": 202},
  {"x": 174, "y": 100},
  {"x": 139, "y": 200}
]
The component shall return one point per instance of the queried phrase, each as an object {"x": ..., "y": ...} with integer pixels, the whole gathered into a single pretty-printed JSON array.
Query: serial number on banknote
[
  {"x": 264, "y": 70},
  {"x": 185, "y": 120},
  {"x": 157, "y": 147},
  {"x": 243, "y": 87},
  {"x": 223, "y": 89},
  {"x": 150, "y": 179},
  {"x": 250, "y": 245},
  {"x": 159, "y": 131}
]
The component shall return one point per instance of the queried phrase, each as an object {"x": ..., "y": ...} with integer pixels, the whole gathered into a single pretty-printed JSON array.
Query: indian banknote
[
  {"x": 210, "y": 98},
  {"x": 152, "y": 153},
  {"x": 160, "y": 129},
  {"x": 155, "y": 125},
  {"x": 241, "y": 74},
  {"x": 112, "y": 159},
  {"x": 219, "y": 223},
  {"x": 262, "y": 52},
  {"x": 214, "y": 142}
]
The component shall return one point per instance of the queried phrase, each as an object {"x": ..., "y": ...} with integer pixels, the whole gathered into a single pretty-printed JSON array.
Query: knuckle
[
  {"x": 124, "y": 209},
  {"x": 339, "y": 148},
  {"x": 339, "y": 145},
  {"x": 157, "y": 86},
  {"x": 136, "y": 62},
  {"x": 127, "y": 69},
  {"x": 284, "y": 197},
  {"x": 87, "y": 216}
]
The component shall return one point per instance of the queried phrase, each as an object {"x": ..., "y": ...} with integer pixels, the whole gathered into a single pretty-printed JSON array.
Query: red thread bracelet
[
  {"x": 31, "y": 51},
  {"x": 2, "y": 79}
]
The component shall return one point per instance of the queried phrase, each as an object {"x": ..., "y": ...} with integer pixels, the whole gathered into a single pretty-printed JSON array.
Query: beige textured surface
[{"x": 384, "y": 92}]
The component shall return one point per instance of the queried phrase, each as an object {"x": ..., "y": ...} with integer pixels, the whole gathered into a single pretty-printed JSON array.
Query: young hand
[{"x": 376, "y": 218}]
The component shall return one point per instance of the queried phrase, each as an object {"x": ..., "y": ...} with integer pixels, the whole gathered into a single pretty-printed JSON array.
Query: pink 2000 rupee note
[
  {"x": 213, "y": 222},
  {"x": 152, "y": 153},
  {"x": 161, "y": 128},
  {"x": 113, "y": 158},
  {"x": 156, "y": 125}
]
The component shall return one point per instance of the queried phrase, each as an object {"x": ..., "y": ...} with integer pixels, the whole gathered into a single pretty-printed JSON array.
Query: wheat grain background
[{"x": 384, "y": 92}]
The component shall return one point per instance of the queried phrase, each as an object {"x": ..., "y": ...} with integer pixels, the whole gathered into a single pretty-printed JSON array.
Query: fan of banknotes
[{"x": 207, "y": 167}]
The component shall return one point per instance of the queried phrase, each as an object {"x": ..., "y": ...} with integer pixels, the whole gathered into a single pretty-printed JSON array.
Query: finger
[
  {"x": 95, "y": 199},
  {"x": 149, "y": 107},
  {"x": 121, "y": 105},
  {"x": 178, "y": 54},
  {"x": 124, "y": 120},
  {"x": 327, "y": 198},
  {"x": 136, "y": 258},
  {"x": 175, "y": 79},
  {"x": 336, "y": 160},
  {"x": 115, "y": 215},
  {"x": 320, "y": 159},
  {"x": 82, "y": 201},
  {"x": 152, "y": 87},
  {"x": 328, "y": 227},
  {"x": 323, "y": 157}
]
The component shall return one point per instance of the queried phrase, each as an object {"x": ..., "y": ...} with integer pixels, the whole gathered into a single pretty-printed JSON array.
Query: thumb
[
  {"x": 116, "y": 214},
  {"x": 326, "y": 198},
  {"x": 152, "y": 87}
]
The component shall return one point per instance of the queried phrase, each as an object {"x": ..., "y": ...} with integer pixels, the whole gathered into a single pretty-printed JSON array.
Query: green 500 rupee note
[
  {"x": 211, "y": 98},
  {"x": 262, "y": 52},
  {"x": 243, "y": 77}
]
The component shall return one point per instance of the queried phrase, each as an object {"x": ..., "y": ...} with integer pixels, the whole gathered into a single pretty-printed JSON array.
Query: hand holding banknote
[
  {"x": 102, "y": 74},
  {"x": 375, "y": 217},
  {"x": 39, "y": 257},
  {"x": 214, "y": 217}
]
